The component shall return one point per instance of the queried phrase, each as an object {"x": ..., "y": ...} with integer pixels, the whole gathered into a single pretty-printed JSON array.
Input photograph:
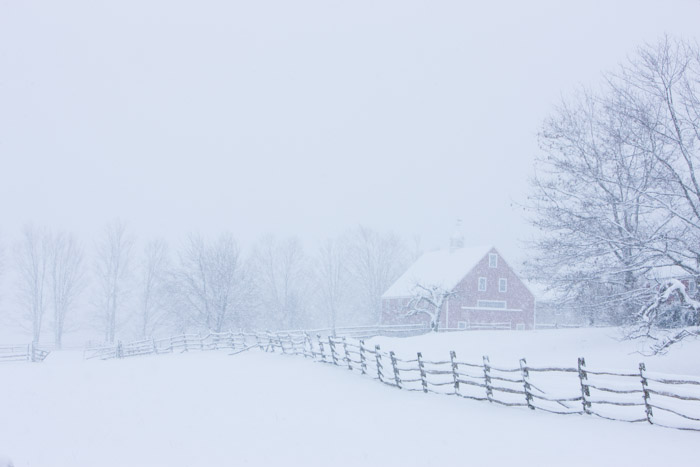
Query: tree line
[
  {"x": 127, "y": 289},
  {"x": 616, "y": 195}
]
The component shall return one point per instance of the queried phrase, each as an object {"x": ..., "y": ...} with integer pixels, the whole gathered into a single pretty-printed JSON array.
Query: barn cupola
[{"x": 457, "y": 238}]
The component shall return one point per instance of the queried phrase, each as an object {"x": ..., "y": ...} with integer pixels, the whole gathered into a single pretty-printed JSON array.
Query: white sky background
[{"x": 294, "y": 117}]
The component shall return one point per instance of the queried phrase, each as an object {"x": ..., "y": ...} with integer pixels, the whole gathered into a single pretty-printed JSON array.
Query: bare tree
[
  {"x": 153, "y": 293},
  {"x": 112, "y": 271},
  {"x": 280, "y": 271},
  {"x": 332, "y": 278},
  {"x": 375, "y": 261},
  {"x": 212, "y": 285},
  {"x": 588, "y": 203},
  {"x": 67, "y": 279},
  {"x": 619, "y": 198},
  {"x": 33, "y": 267},
  {"x": 429, "y": 300},
  {"x": 659, "y": 92}
]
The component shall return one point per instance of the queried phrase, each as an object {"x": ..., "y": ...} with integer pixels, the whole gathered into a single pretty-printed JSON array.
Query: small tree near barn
[{"x": 429, "y": 300}]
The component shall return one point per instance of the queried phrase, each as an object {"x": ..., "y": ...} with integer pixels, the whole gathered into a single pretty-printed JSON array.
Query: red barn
[{"x": 488, "y": 293}]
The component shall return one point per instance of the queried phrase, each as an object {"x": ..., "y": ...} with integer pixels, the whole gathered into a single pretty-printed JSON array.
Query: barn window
[
  {"x": 493, "y": 260},
  {"x": 461, "y": 325},
  {"x": 502, "y": 285},
  {"x": 482, "y": 284}
]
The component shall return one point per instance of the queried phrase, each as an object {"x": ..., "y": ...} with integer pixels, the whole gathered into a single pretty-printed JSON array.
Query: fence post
[
  {"x": 299, "y": 347},
  {"x": 270, "y": 344},
  {"x": 397, "y": 379},
  {"x": 645, "y": 391},
  {"x": 331, "y": 344},
  {"x": 453, "y": 357},
  {"x": 279, "y": 340},
  {"x": 421, "y": 369},
  {"x": 30, "y": 352},
  {"x": 155, "y": 347},
  {"x": 487, "y": 379},
  {"x": 347, "y": 354},
  {"x": 526, "y": 383},
  {"x": 310, "y": 344},
  {"x": 585, "y": 390},
  {"x": 321, "y": 349},
  {"x": 184, "y": 340},
  {"x": 171, "y": 345},
  {"x": 292, "y": 344},
  {"x": 363, "y": 361},
  {"x": 378, "y": 357},
  {"x": 120, "y": 350}
]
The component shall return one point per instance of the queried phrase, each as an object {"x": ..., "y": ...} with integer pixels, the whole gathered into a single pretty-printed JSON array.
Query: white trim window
[
  {"x": 461, "y": 325},
  {"x": 482, "y": 284},
  {"x": 493, "y": 260},
  {"x": 500, "y": 304},
  {"x": 503, "y": 284}
]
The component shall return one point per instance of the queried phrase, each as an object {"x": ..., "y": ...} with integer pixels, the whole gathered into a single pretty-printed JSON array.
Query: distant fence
[
  {"x": 635, "y": 396},
  {"x": 401, "y": 330},
  {"x": 570, "y": 325},
  {"x": 19, "y": 353}
]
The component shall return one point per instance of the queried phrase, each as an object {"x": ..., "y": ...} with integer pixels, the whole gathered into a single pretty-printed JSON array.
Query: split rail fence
[
  {"x": 631, "y": 396},
  {"x": 19, "y": 353}
]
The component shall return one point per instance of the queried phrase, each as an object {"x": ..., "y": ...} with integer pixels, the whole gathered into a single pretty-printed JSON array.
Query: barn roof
[{"x": 442, "y": 268}]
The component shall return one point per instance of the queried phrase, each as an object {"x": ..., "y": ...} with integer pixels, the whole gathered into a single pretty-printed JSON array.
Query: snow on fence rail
[
  {"x": 19, "y": 353},
  {"x": 632, "y": 396}
]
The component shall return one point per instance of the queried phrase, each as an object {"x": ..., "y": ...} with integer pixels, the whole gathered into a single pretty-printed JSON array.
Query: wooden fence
[
  {"x": 636, "y": 396},
  {"x": 19, "y": 353}
]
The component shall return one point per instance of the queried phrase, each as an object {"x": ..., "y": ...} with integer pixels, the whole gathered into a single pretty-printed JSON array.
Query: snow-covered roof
[
  {"x": 442, "y": 268},
  {"x": 668, "y": 272}
]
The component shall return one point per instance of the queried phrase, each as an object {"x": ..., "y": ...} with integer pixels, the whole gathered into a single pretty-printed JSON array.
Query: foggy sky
[{"x": 302, "y": 117}]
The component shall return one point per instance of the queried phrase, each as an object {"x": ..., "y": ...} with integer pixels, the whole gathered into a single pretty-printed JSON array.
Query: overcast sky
[{"x": 294, "y": 117}]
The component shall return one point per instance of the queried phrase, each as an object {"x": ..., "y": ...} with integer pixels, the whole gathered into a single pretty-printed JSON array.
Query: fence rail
[
  {"x": 630, "y": 396},
  {"x": 21, "y": 353}
]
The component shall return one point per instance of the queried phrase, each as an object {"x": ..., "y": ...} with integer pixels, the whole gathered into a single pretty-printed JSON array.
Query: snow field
[{"x": 268, "y": 409}]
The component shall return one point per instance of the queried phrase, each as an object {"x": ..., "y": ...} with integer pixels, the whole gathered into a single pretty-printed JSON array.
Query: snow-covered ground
[{"x": 212, "y": 409}]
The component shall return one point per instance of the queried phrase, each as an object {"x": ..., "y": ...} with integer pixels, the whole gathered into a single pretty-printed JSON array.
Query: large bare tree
[
  {"x": 617, "y": 198},
  {"x": 112, "y": 273},
  {"x": 67, "y": 279},
  {"x": 659, "y": 91},
  {"x": 588, "y": 203}
]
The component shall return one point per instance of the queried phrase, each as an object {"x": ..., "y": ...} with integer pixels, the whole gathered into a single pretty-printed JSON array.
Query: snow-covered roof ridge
[
  {"x": 664, "y": 272},
  {"x": 443, "y": 268}
]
